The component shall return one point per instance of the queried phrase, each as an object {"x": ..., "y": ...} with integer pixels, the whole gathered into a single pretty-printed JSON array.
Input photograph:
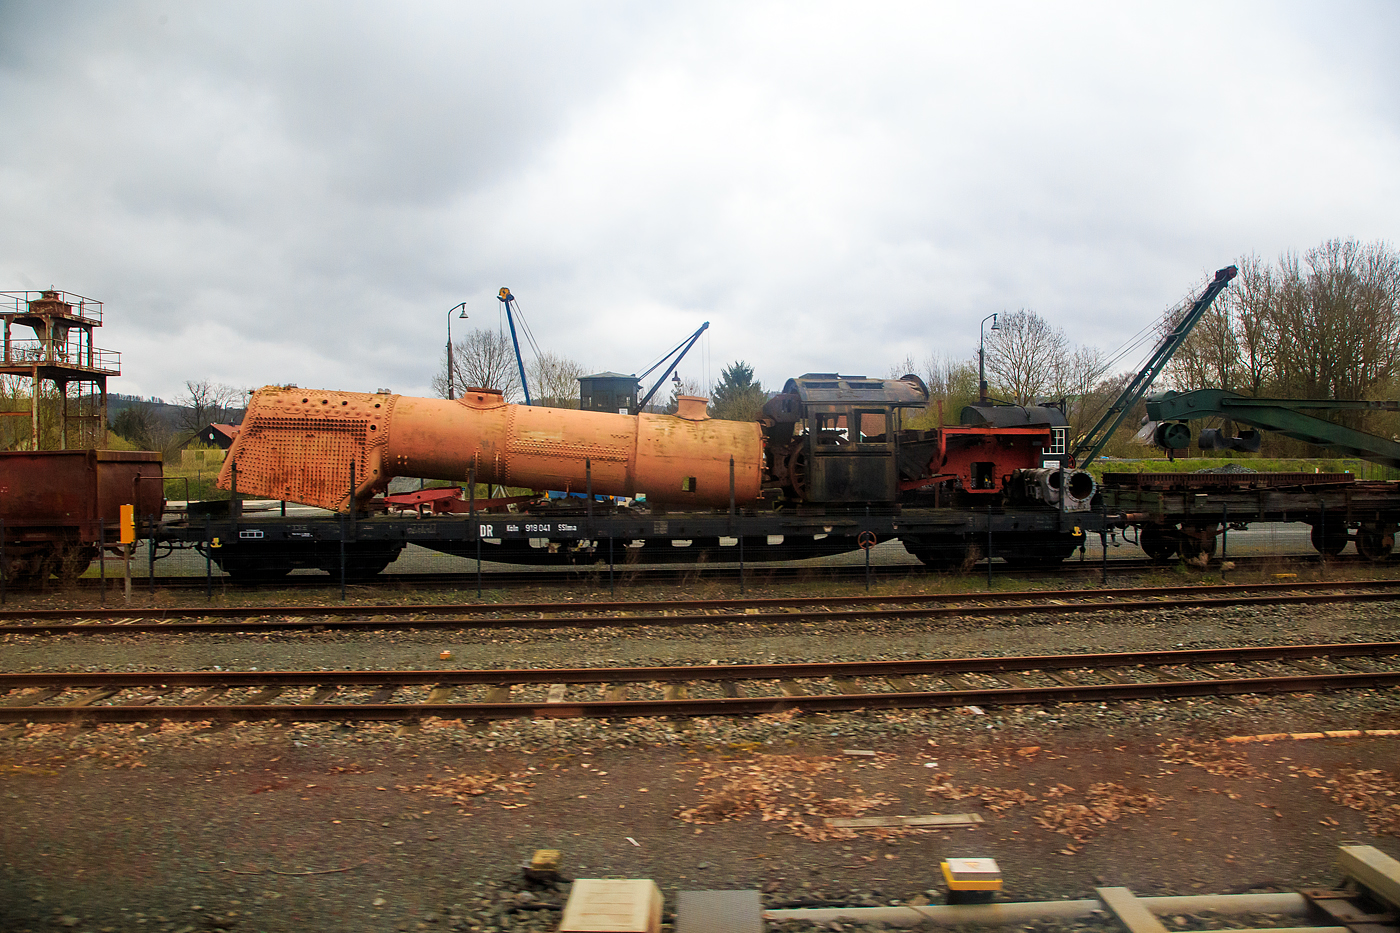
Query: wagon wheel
[
  {"x": 1157, "y": 542},
  {"x": 1375, "y": 542},
  {"x": 955, "y": 553},
  {"x": 1199, "y": 540},
  {"x": 1041, "y": 552},
  {"x": 1333, "y": 542},
  {"x": 73, "y": 562}
]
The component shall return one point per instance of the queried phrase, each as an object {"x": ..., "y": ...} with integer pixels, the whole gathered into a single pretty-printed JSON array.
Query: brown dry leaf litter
[
  {"x": 996, "y": 799},
  {"x": 1217, "y": 759},
  {"x": 1105, "y": 802},
  {"x": 463, "y": 787},
  {"x": 787, "y": 789},
  {"x": 1373, "y": 792}
]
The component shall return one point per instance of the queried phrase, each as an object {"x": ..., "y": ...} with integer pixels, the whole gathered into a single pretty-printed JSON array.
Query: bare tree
[
  {"x": 1023, "y": 355},
  {"x": 483, "y": 359},
  {"x": 950, "y": 381},
  {"x": 554, "y": 380},
  {"x": 1340, "y": 309},
  {"x": 1079, "y": 379},
  {"x": 1325, "y": 324},
  {"x": 206, "y": 403}
]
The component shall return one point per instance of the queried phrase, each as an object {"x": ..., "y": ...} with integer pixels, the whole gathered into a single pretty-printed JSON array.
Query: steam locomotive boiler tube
[{"x": 299, "y": 445}]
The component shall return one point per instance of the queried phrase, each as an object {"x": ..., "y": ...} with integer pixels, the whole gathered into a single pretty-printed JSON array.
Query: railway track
[
  {"x": 703, "y": 690},
  {"x": 620, "y": 614}
]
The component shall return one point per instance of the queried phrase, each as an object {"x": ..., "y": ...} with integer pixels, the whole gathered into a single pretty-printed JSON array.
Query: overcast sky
[{"x": 298, "y": 192}]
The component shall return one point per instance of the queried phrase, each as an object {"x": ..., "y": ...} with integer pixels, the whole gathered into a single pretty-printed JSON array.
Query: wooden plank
[
  {"x": 500, "y": 693},
  {"x": 1129, "y": 911},
  {"x": 442, "y": 693},
  {"x": 1372, "y": 869},
  {"x": 847, "y": 686},
  {"x": 556, "y": 693},
  {"x": 615, "y": 693},
  {"x": 731, "y": 689},
  {"x": 29, "y": 699},
  {"x": 791, "y": 688},
  {"x": 383, "y": 695},
  {"x": 150, "y": 696},
  {"x": 92, "y": 696},
  {"x": 213, "y": 693},
  {"x": 931, "y": 819},
  {"x": 677, "y": 692},
  {"x": 265, "y": 695},
  {"x": 321, "y": 695},
  {"x": 900, "y": 684}
]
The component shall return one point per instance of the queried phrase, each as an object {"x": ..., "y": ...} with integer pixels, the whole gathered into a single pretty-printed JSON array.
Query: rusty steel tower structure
[{"x": 58, "y": 358}]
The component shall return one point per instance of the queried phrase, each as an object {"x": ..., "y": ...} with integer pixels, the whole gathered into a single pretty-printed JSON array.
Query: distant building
[{"x": 218, "y": 435}]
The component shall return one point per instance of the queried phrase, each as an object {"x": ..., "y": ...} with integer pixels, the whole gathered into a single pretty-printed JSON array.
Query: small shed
[
  {"x": 608, "y": 392},
  {"x": 218, "y": 435}
]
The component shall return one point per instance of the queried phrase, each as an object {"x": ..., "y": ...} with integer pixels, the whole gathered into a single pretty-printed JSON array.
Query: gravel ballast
[{"x": 383, "y": 827}]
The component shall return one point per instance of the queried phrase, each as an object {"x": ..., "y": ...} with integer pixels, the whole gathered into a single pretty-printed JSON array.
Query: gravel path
[{"x": 330, "y": 827}]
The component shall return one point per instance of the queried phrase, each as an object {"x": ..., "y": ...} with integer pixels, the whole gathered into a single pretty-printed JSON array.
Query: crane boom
[{"x": 1093, "y": 442}]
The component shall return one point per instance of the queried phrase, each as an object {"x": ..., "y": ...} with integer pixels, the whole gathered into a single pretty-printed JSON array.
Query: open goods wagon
[{"x": 58, "y": 507}]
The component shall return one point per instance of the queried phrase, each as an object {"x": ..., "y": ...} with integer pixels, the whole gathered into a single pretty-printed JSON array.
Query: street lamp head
[
  {"x": 996, "y": 324},
  {"x": 463, "y": 315}
]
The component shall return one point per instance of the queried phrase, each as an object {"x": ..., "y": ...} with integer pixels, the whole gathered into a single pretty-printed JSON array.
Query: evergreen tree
[{"x": 737, "y": 396}]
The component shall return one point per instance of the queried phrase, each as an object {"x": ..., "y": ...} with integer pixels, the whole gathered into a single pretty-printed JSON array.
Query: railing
[
  {"x": 18, "y": 303},
  {"x": 44, "y": 353}
]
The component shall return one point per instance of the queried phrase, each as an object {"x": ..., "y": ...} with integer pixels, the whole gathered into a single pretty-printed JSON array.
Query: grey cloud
[{"x": 298, "y": 192}]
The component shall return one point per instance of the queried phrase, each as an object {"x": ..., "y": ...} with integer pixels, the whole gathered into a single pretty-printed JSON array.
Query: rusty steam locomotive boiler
[{"x": 307, "y": 445}]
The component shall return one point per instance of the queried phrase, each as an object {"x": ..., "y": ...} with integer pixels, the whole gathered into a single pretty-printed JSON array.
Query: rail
[
  {"x": 213, "y": 619},
  {"x": 695, "y": 690}
]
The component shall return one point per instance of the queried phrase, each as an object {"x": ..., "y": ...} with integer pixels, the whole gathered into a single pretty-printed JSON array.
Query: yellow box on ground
[{"x": 971, "y": 874}]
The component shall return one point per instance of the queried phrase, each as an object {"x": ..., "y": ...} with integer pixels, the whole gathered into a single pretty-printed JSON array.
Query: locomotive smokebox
[{"x": 299, "y": 445}]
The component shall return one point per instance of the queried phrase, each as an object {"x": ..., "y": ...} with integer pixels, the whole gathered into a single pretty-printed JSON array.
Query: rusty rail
[
  {"x": 668, "y": 613},
  {"x": 807, "y": 687}
]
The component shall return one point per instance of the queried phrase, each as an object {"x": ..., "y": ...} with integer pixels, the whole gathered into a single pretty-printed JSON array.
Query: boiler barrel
[{"x": 299, "y": 444}]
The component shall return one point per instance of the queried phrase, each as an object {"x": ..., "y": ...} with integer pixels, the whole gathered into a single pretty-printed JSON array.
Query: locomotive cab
[{"x": 835, "y": 439}]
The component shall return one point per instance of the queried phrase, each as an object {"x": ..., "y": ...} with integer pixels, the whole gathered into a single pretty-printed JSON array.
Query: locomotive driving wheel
[{"x": 799, "y": 472}]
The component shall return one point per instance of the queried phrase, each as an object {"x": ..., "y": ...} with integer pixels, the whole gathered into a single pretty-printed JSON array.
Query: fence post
[
  {"x": 208, "y": 561},
  {"x": 151, "y": 555},
  {"x": 989, "y": 546}
]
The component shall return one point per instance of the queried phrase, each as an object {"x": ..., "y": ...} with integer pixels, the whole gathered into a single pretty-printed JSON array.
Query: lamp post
[
  {"x": 982, "y": 357},
  {"x": 451, "y": 373}
]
